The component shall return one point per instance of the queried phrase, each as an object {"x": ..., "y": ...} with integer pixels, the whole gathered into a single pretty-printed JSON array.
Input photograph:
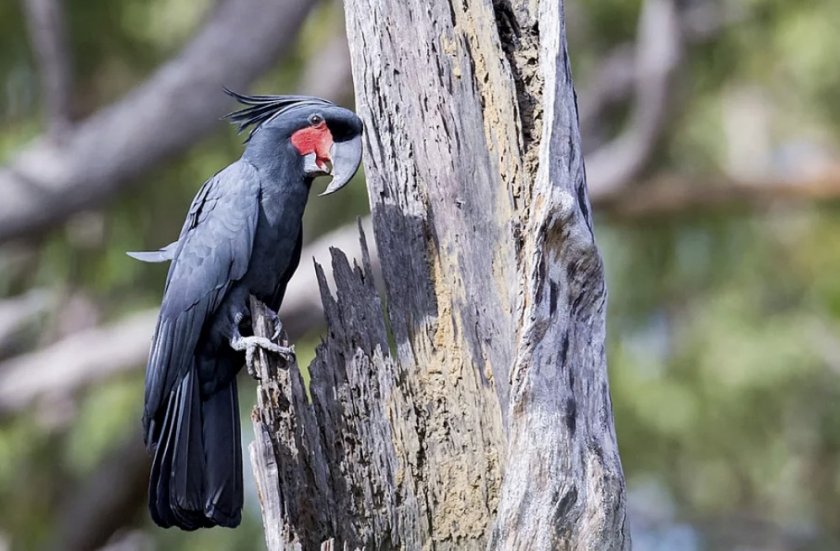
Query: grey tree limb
[
  {"x": 46, "y": 182},
  {"x": 658, "y": 53},
  {"x": 478, "y": 416},
  {"x": 17, "y": 313},
  {"x": 62, "y": 369},
  {"x": 563, "y": 485},
  {"x": 675, "y": 194},
  {"x": 327, "y": 72},
  {"x": 52, "y": 374},
  {"x": 616, "y": 77},
  {"x": 48, "y": 35}
]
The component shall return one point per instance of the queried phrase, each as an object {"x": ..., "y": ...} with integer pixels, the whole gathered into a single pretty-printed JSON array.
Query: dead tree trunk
[{"x": 475, "y": 412}]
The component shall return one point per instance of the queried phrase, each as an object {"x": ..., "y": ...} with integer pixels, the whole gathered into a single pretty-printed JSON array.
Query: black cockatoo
[{"x": 242, "y": 237}]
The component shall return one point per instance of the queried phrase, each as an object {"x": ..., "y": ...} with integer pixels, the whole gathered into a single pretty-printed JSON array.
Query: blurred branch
[
  {"x": 134, "y": 540},
  {"x": 45, "y": 19},
  {"x": 658, "y": 53},
  {"x": 327, "y": 73},
  {"x": 180, "y": 102},
  {"x": 18, "y": 312},
  {"x": 674, "y": 194},
  {"x": 616, "y": 77},
  {"x": 748, "y": 530},
  {"x": 89, "y": 357},
  {"x": 106, "y": 500},
  {"x": 75, "y": 362},
  {"x": 611, "y": 84},
  {"x": 648, "y": 67}
]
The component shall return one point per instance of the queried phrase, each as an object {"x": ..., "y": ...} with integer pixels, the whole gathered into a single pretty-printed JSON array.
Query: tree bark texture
[{"x": 468, "y": 408}]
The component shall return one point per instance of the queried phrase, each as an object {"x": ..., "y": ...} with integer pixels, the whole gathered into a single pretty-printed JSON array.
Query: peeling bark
[{"x": 475, "y": 413}]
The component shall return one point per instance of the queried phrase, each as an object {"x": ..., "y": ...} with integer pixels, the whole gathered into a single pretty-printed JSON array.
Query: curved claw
[
  {"x": 250, "y": 345},
  {"x": 275, "y": 321}
]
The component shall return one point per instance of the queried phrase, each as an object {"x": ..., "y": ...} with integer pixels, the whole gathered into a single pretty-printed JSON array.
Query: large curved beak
[{"x": 346, "y": 157}]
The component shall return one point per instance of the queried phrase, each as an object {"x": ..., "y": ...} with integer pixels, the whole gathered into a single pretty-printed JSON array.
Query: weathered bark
[{"x": 475, "y": 413}]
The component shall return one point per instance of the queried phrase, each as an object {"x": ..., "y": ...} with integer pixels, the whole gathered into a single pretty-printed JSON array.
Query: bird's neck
[
  {"x": 284, "y": 201},
  {"x": 284, "y": 187}
]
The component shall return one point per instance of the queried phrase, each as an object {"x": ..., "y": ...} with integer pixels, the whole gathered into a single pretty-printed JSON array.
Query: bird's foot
[{"x": 250, "y": 345}]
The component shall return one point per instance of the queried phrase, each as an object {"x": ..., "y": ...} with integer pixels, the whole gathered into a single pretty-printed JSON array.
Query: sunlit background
[{"x": 711, "y": 129}]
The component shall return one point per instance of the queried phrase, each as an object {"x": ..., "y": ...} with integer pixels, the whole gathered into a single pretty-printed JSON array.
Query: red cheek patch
[{"x": 314, "y": 139}]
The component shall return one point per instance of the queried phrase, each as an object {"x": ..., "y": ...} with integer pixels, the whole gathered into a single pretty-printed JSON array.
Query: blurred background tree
[{"x": 712, "y": 129}]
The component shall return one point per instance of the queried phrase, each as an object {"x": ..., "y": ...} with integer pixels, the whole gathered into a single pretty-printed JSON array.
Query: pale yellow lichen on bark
[
  {"x": 465, "y": 484},
  {"x": 476, "y": 23}
]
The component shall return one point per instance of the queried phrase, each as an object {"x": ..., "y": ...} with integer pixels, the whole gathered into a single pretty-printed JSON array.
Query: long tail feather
[{"x": 196, "y": 478}]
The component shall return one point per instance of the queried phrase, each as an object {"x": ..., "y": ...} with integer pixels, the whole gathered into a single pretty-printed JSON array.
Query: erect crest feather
[{"x": 259, "y": 110}]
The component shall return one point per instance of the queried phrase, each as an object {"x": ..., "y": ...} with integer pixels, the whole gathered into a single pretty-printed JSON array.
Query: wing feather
[{"x": 213, "y": 251}]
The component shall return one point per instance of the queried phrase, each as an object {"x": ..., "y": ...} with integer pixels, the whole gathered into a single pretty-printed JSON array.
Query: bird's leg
[{"x": 250, "y": 344}]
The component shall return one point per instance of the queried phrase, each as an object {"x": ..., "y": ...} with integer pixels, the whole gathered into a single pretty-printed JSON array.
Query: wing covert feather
[{"x": 214, "y": 250}]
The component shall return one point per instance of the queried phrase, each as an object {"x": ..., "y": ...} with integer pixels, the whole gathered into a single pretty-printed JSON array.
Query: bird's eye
[{"x": 315, "y": 119}]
